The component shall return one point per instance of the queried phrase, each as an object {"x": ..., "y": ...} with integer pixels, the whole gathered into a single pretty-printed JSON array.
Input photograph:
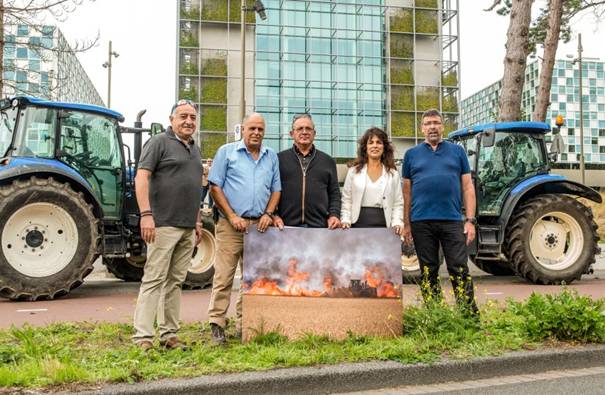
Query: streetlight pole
[
  {"x": 259, "y": 8},
  {"x": 107, "y": 65},
  {"x": 582, "y": 168}
]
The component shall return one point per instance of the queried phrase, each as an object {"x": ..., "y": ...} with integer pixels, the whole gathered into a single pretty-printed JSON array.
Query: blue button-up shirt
[{"x": 246, "y": 183}]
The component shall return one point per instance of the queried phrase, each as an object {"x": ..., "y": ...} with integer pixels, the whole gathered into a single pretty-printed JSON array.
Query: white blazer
[{"x": 352, "y": 193}]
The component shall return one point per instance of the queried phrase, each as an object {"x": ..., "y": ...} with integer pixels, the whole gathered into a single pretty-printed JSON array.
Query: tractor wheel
[
  {"x": 495, "y": 268},
  {"x": 201, "y": 271},
  {"x": 410, "y": 265},
  {"x": 49, "y": 239},
  {"x": 128, "y": 269},
  {"x": 552, "y": 239}
]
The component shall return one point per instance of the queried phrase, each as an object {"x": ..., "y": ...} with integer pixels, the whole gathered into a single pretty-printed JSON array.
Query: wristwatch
[
  {"x": 472, "y": 220},
  {"x": 269, "y": 213}
]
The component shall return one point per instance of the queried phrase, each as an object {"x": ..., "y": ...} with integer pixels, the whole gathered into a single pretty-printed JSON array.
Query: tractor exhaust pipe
[{"x": 138, "y": 138}]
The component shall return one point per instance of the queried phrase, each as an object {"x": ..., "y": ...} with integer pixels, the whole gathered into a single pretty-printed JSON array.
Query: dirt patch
[{"x": 295, "y": 316}]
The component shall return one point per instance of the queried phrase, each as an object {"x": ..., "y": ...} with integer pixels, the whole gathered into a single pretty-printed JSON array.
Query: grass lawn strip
[{"x": 68, "y": 354}]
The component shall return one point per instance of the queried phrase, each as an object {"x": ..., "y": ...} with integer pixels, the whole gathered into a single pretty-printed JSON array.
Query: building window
[
  {"x": 601, "y": 132},
  {"x": 22, "y": 30},
  {"x": 22, "y": 53},
  {"x": 572, "y": 148},
  {"x": 570, "y": 131}
]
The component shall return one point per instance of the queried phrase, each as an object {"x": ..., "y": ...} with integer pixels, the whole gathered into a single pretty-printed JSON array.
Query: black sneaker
[{"x": 218, "y": 335}]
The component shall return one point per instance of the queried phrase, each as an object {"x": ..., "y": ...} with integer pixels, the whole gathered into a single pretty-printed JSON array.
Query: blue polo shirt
[
  {"x": 436, "y": 184},
  {"x": 247, "y": 183}
]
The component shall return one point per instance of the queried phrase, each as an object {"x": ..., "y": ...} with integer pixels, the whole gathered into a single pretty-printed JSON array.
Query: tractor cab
[
  {"x": 501, "y": 156},
  {"x": 84, "y": 139}
]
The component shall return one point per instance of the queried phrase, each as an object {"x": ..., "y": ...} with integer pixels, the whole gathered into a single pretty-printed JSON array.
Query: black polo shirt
[{"x": 174, "y": 186}]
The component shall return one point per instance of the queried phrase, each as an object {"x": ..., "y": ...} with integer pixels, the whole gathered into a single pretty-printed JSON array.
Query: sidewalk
[{"x": 367, "y": 376}]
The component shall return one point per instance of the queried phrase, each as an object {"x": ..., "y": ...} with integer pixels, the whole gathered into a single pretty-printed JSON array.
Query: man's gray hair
[
  {"x": 248, "y": 116},
  {"x": 296, "y": 117}
]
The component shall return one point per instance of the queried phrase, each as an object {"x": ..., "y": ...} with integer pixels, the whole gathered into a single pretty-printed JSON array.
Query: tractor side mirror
[
  {"x": 156, "y": 128},
  {"x": 488, "y": 138}
]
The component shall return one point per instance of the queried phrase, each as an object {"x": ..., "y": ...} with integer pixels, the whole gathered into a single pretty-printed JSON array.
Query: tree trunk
[
  {"x": 515, "y": 59},
  {"x": 551, "y": 43}
]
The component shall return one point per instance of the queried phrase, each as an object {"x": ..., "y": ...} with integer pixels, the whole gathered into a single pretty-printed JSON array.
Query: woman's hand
[
  {"x": 345, "y": 225},
  {"x": 398, "y": 230}
]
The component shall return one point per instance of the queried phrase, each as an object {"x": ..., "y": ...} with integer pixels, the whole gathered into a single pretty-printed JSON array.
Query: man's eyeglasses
[
  {"x": 183, "y": 102},
  {"x": 432, "y": 123}
]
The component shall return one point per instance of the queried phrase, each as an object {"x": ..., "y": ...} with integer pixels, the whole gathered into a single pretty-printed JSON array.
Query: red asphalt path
[{"x": 114, "y": 300}]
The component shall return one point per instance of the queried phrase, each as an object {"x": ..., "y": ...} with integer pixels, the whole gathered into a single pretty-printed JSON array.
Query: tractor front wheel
[
  {"x": 49, "y": 239},
  {"x": 552, "y": 239}
]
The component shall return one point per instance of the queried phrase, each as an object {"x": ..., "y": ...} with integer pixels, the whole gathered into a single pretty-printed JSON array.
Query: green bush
[
  {"x": 192, "y": 14},
  {"x": 402, "y": 21},
  {"x": 427, "y": 3},
  {"x": 214, "y": 90},
  {"x": 427, "y": 21},
  {"x": 216, "y": 10},
  {"x": 450, "y": 79},
  {"x": 402, "y": 97},
  {"x": 189, "y": 94},
  {"x": 449, "y": 124},
  {"x": 427, "y": 98},
  {"x": 449, "y": 103},
  {"x": 188, "y": 39},
  {"x": 402, "y": 124},
  {"x": 189, "y": 68},
  {"x": 211, "y": 142},
  {"x": 402, "y": 45},
  {"x": 566, "y": 316},
  {"x": 214, "y": 66},
  {"x": 214, "y": 118},
  {"x": 402, "y": 71}
]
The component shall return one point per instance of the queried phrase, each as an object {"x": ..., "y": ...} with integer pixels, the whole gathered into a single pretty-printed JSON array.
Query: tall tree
[
  {"x": 517, "y": 49},
  {"x": 32, "y": 13},
  {"x": 551, "y": 25}
]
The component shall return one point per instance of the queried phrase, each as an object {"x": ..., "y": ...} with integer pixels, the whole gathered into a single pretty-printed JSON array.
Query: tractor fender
[
  {"x": 540, "y": 185},
  {"x": 24, "y": 167}
]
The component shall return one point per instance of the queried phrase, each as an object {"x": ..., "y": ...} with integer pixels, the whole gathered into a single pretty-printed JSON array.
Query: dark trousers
[{"x": 428, "y": 235}]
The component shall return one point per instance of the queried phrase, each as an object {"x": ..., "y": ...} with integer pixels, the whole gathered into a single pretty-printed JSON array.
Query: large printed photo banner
[{"x": 320, "y": 281}]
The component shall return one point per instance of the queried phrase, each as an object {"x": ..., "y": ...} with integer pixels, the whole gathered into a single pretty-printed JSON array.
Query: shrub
[
  {"x": 402, "y": 72},
  {"x": 427, "y": 21},
  {"x": 427, "y": 98},
  {"x": 214, "y": 118},
  {"x": 427, "y": 3},
  {"x": 188, "y": 39},
  {"x": 192, "y": 14},
  {"x": 211, "y": 142},
  {"x": 402, "y": 97},
  {"x": 214, "y": 90},
  {"x": 402, "y": 45},
  {"x": 402, "y": 21},
  {"x": 189, "y": 68},
  {"x": 402, "y": 124},
  {"x": 189, "y": 94},
  {"x": 214, "y": 66},
  {"x": 450, "y": 79}
]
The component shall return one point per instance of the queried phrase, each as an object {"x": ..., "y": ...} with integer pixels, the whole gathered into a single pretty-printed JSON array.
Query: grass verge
[{"x": 86, "y": 353}]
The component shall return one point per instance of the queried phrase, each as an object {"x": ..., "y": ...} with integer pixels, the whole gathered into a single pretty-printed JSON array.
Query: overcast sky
[{"x": 144, "y": 34}]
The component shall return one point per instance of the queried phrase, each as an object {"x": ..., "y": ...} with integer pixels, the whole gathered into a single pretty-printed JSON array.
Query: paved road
[
  {"x": 577, "y": 381},
  {"x": 102, "y": 298}
]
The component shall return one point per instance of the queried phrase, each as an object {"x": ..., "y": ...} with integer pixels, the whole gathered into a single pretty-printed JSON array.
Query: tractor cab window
[
  {"x": 470, "y": 147},
  {"x": 89, "y": 144},
  {"x": 36, "y": 136},
  {"x": 8, "y": 117},
  {"x": 513, "y": 157}
]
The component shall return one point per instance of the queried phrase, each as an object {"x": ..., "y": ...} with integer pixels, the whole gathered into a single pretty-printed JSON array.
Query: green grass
[{"x": 69, "y": 354}]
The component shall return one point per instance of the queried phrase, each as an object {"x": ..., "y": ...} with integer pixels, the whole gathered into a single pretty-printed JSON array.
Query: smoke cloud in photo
[{"x": 337, "y": 255}]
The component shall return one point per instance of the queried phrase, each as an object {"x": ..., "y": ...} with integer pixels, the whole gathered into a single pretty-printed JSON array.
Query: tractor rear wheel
[
  {"x": 49, "y": 239},
  {"x": 495, "y": 268},
  {"x": 202, "y": 262},
  {"x": 410, "y": 265},
  {"x": 552, "y": 239}
]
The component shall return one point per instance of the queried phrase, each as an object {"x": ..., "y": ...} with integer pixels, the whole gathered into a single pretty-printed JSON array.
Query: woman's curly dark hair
[{"x": 387, "y": 159}]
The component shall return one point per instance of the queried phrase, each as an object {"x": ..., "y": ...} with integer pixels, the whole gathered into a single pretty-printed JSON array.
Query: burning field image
[{"x": 299, "y": 281}]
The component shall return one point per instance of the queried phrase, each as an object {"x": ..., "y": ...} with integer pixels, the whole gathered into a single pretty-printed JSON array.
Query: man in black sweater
[{"x": 310, "y": 195}]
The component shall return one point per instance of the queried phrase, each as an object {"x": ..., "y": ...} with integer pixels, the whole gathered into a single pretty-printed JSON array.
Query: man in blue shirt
[
  {"x": 246, "y": 188},
  {"x": 436, "y": 176}
]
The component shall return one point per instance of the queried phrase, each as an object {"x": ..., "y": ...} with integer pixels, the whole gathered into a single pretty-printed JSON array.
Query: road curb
[{"x": 369, "y": 375}]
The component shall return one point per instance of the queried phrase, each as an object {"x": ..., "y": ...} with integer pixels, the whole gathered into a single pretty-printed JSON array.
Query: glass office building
[
  {"x": 352, "y": 64},
  {"x": 482, "y": 107}
]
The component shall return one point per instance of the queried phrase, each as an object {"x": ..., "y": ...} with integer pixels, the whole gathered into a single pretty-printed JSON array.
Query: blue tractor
[
  {"x": 530, "y": 221},
  {"x": 67, "y": 198}
]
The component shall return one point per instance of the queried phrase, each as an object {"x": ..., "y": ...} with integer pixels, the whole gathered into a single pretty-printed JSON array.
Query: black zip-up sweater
[{"x": 317, "y": 191}]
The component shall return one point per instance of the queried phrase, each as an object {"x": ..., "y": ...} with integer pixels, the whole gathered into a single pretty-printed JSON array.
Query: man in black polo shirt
[
  {"x": 168, "y": 194},
  {"x": 436, "y": 174},
  {"x": 310, "y": 195}
]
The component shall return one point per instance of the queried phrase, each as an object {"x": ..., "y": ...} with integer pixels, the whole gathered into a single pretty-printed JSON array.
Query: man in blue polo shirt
[
  {"x": 436, "y": 176},
  {"x": 245, "y": 186}
]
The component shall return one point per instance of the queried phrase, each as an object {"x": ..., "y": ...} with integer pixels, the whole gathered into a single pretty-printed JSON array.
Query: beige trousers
[
  {"x": 230, "y": 253},
  {"x": 168, "y": 260}
]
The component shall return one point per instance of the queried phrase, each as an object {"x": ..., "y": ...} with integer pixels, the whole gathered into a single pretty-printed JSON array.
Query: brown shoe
[
  {"x": 173, "y": 343},
  {"x": 145, "y": 345}
]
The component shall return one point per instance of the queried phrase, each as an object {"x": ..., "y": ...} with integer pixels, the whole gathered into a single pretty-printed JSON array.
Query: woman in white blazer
[{"x": 372, "y": 193}]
